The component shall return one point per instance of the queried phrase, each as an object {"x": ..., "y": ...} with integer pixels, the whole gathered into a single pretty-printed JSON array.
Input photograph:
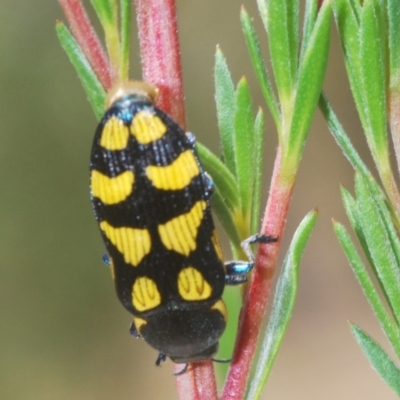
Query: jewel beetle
[{"x": 151, "y": 198}]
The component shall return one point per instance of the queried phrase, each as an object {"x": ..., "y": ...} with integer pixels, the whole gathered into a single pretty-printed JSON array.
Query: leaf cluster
[{"x": 369, "y": 32}]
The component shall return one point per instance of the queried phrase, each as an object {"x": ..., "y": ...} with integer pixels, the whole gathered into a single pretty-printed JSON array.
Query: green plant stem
[{"x": 260, "y": 285}]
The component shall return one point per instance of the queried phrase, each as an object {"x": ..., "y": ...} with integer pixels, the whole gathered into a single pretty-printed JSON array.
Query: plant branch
[
  {"x": 259, "y": 290},
  {"x": 160, "y": 55},
  {"x": 88, "y": 40},
  {"x": 198, "y": 383},
  {"x": 161, "y": 65}
]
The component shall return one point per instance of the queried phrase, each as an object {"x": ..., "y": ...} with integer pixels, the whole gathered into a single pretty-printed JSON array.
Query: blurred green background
[{"x": 63, "y": 334}]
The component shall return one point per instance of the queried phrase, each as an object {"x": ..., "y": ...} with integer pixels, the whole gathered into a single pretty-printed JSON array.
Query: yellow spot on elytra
[
  {"x": 115, "y": 134},
  {"x": 175, "y": 176},
  {"x": 192, "y": 286},
  {"x": 180, "y": 233},
  {"x": 112, "y": 190},
  {"x": 221, "y": 307},
  {"x": 145, "y": 294},
  {"x": 217, "y": 247},
  {"x": 147, "y": 127},
  {"x": 139, "y": 322},
  {"x": 132, "y": 243}
]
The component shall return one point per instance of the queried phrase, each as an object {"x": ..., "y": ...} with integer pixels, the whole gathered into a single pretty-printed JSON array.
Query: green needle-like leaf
[
  {"x": 106, "y": 10},
  {"x": 259, "y": 66},
  {"x": 280, "y": 20},
  {"x": 394, "y": 41},
  {"x": 225, "y": 217},
  {"x": 222, "y": 177},
  {"x": 353, "y": 213},
  {"x": 91, "y": 84},
  {"x": 368, "y": 287},
  {"x": 341, "y": 138},
  {"x": 379, "y": 246},
  {"x": 356, "y": 8},
  {"x": 310, "y": 16},
  {"x": 283, "y": 304},
  {"x": 381, "y": 362},
  {"x": 244, "y": 145},
  {"x": 373, "y": 73},
  {"x": 257, "y": 170},
  {"x": 225, "y": 100},
  {"x": 347, "y": 19},
  {"x": 382, "y": 206},
  {"x": 225, "y": 200},
  {"x": 125, "y": 38},
  {"x": 311, "y": 75}
]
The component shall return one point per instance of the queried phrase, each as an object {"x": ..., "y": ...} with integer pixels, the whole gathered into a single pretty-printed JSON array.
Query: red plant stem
[
  {"x": 88, "y": 40},
  {"x": 198, "y": 383},
  {"x": 257, "y": 296},
  {"x": 161, "y": 65},
  {"x": 160, "y": 55}
]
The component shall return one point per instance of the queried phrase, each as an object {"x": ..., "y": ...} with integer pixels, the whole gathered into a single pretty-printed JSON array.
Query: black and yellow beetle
[{"x": 151, "y": 198}]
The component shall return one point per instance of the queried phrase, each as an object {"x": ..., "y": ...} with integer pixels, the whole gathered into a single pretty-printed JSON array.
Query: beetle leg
[
  {"x": 106, "y": 259},
  {"x": 160, "y": 359},
  {"x": 133, "y": 331},
  {"x": 257, "y": 238},
  {"x": 236, "y": 270}
]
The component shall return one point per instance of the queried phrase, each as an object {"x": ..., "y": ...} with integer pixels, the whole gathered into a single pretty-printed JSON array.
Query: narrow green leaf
[
  {"x": 356, "y": 8},
  {"x": 310, "y": 16},
  {"x": 380, "y": 361},
  {"x": 225, "y": 101},
  {"x": 91, "y": 84},
  {"x": 347, "y": 19},
  {"x": 222, "y": 177},
  {"x": 381, "y": 204},
  {"x": 280, "y": 20},
  {"x": 105, "y": 10},
  {"x": 225, "y": 217},
  {"x": 244, "y": 145},
  {"x": 341, "y": 138},
  {"x": 353, "y": 214},
  {"x": 394, "y": 41},
  {"x": 386, "y": 215},
  {"x": 360, "y": 271},
  {"x": 125, "y": 38},
  {"x": 282, "y": 306},
  {"x": 261, "y": 71},
  {"x": 311, "y": 75},
  {"x": 376, "y": 236},
  {"x": 373, "y": 78},
  {"x": 293, "y": 20},
  {"x": 393, "y": 11},
  {"x": 259, "y": 124}
]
